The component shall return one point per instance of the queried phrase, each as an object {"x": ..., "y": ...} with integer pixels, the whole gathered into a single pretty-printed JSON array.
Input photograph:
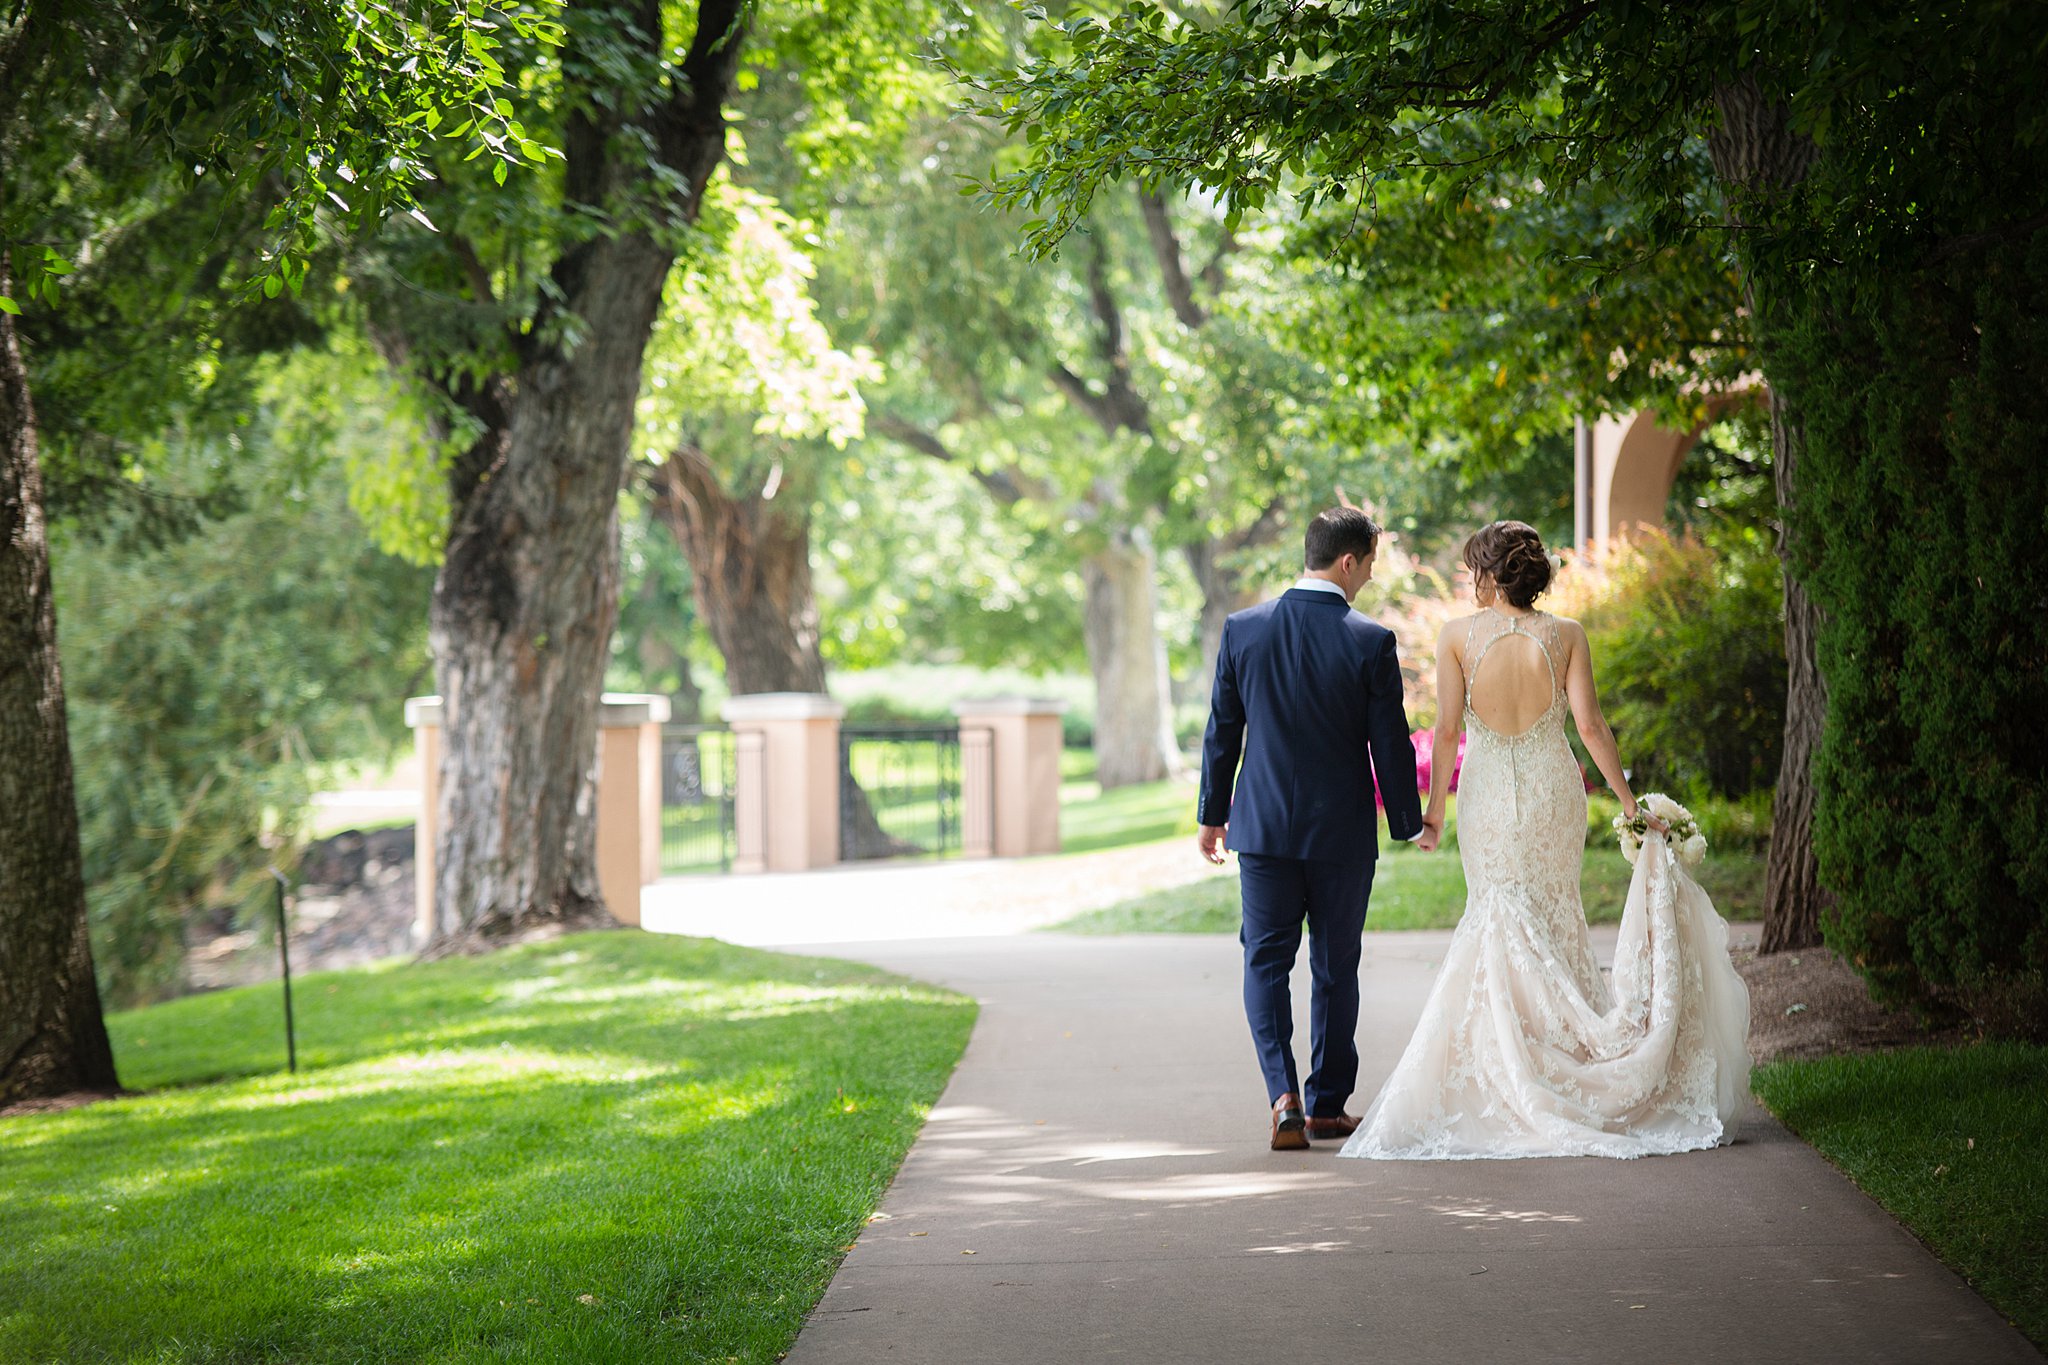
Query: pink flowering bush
[{"x": 1424, "y": 740}]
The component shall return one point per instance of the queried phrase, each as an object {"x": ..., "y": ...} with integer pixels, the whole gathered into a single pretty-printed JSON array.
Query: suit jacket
[{"x": 1307, "y": 689}]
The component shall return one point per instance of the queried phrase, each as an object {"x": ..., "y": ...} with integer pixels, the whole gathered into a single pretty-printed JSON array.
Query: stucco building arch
[{"x": 1625, "y": 465}]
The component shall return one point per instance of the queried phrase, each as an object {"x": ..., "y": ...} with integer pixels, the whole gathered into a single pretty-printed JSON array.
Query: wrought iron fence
[
  {"x": 698, "y": 779},
  {"x": 899, "y": 791}
]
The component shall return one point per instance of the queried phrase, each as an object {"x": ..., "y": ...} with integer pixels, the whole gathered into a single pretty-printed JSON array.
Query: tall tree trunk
[
  {"x": 1133, "y": 711},
  {"x": 1757, "y": 155},
  {"x": 1225, "y": 585},
  {"x": 52, "y": 1036},
  {"x": 524, "y": 606},
  {"x": 1225, "y": 589},
  {"x": 750, "y": 566},
  {"x": 1793, "y": 895}
]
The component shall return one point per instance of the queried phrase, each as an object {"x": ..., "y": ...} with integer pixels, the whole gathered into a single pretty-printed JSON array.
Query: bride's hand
[
  {"x": 1650, "y": 820},
  {"x": 1432, "y": 832}
]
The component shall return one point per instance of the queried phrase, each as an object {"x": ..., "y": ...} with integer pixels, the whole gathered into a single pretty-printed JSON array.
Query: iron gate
[
  {"x": 899, "y": 791},
  {"x": 698, "y": 778}
]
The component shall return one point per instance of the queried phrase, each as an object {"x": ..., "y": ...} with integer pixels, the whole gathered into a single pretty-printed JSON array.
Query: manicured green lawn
[
  {"x": 1091, "y": 818},
  {"x": 1949, "y": 1141},
  {"x": 610, "y": 1147},
  {"x": 1414, "y": 890}
]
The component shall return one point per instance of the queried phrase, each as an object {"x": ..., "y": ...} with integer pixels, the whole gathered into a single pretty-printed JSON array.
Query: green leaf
[
  {"x": 498, "y": 172},
  {"x": 8, "y": 305}
]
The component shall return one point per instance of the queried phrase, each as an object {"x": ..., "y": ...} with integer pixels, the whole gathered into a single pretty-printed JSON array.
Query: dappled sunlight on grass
[
  {"x": 476, "y": 1069},
  {"x": 682, "y": 1132}
]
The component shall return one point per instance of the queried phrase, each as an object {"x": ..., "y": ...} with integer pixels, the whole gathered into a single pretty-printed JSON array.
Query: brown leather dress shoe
[
  {"x": 1334, "y": 1126},
  {"x": 1289, "y": 1125}
]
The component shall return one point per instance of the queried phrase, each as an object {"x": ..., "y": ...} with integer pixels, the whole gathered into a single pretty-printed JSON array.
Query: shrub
[
  {"x": 208, "y": 683},
  {"x": 1923, "y": 507},
  {"x": 1689, "y": 650}
]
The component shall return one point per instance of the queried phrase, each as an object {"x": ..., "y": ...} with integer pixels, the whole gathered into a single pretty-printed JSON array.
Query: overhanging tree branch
[
  {"x": 1007, "y": 486},
  {"x": 1173, "y": 275}
]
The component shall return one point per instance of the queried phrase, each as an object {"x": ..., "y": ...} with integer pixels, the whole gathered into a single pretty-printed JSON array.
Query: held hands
[
  {"x": 1211, "y": 841},
  {"x": 1432, "y": 831}
]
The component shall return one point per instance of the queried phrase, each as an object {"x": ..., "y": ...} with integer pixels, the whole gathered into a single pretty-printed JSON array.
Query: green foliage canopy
[{"x": 216, "y": 677}]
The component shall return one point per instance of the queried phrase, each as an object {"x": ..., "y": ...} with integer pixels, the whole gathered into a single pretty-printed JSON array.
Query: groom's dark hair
[{"x": 1336, "y": 532}]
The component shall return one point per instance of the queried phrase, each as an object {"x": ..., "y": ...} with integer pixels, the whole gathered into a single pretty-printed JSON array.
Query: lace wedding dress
[{"x": 1523, "y": 1050}]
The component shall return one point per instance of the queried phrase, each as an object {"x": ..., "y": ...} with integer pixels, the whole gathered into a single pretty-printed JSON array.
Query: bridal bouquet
[{"x": 1685, "y": 837}]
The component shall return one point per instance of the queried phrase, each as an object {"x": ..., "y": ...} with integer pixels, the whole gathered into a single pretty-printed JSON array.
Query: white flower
[
  {"x": 1629, "y": 849},
  {"x": 1692, "y": 850},
  {"x": 1665, "y": 809}
]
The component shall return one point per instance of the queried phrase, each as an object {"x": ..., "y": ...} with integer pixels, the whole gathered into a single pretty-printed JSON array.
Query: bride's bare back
[{"x": 1512, "y": 669}]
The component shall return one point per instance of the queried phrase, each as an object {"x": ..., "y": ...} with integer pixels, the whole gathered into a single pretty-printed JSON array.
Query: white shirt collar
[{"x": 1320, "y": 585}]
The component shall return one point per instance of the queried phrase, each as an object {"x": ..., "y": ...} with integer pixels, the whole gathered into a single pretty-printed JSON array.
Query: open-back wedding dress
[{"x": 1523, "y": 1050}]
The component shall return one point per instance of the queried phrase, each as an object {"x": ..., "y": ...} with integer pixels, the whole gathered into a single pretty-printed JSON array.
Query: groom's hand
[{"x": 1211, "y": 840}]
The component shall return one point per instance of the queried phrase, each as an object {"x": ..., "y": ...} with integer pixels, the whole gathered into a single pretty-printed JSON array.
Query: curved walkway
[
  {"x": 946, "y": 898},
  {"x": 1094, "y": 1186}
]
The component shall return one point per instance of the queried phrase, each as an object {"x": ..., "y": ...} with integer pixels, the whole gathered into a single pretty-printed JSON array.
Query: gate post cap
[
  {"x": 614, "y": 709},
  {"x": 782, "y": 706},
  {"x": 617, "y": 710},
  {"x": 1009, "y": 706}
]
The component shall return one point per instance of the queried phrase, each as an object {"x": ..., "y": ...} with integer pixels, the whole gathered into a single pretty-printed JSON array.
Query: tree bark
[
  {"x": 1793, "y": 895},
  {"x": 527, "y": 596},
  {"x": 750, "y": 567},
  {"x": 53, "y": 1039},
  {"x": 1133, "y": 715},
  {"x": 1757, "y": 155},
  {"x": 1224, "y": 590}
]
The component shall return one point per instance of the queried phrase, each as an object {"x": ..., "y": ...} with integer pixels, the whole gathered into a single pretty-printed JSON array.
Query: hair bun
[{"x": 1510, "y": 553}]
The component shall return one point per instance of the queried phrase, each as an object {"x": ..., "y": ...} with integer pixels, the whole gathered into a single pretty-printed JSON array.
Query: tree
[
  {"x": 530, "y": 315},
  {"x": 746, "y": 398},
  {"x": 286, "y": 104},
  {"x": 1338, "y": 102},
  {"x": 1116, "y": 399}
]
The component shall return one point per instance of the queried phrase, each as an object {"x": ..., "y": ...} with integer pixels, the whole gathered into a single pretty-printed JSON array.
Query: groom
[{"x": 1306, "y": 688}]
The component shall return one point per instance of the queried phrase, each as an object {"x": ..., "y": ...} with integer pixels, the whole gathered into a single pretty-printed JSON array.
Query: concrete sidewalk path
[
  {"x": 1095, "y": 1186},
  {"x": 892, "y": 899}
]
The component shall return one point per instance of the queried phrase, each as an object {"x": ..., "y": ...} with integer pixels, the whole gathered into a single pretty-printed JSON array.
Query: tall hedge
[{"x": 1923, "y": 498}]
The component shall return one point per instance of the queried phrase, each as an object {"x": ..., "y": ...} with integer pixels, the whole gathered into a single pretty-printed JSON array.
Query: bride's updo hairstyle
[{"x": 1511, "y": 553}]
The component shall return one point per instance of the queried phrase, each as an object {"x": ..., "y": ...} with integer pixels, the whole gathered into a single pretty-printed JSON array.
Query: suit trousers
[{"x": 1279, "y": 895}]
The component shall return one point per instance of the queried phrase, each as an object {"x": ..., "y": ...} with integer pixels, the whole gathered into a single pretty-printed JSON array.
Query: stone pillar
[
  {"x": 977, "y": 792},
  {"x": 628, "y": 802},
  {"x": 787, "y": 797},
  {"x": 628, "y": 799},
  {"x": 1021, "y": 792}
]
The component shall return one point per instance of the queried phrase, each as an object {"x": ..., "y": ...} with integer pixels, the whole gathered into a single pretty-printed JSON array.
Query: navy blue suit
[{"x": 1308, "y": 691}]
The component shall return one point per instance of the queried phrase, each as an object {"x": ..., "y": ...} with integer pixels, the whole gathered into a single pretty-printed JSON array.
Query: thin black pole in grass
[{"x": 284, "y": 955}]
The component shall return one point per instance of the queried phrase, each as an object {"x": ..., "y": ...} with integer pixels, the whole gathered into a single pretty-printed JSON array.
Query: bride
[{"x": 1523, "y": 1050}]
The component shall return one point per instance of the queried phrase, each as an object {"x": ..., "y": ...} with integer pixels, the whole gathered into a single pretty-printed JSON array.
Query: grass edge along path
[
  {"x": 1946, "y": 1140},
  {"x": 1411, "y": 890},
  {"x": 606, "y": 1147}
]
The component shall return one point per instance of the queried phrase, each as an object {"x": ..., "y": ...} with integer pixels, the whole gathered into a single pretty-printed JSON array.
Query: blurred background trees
[{"x": 874, "y": 449}]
